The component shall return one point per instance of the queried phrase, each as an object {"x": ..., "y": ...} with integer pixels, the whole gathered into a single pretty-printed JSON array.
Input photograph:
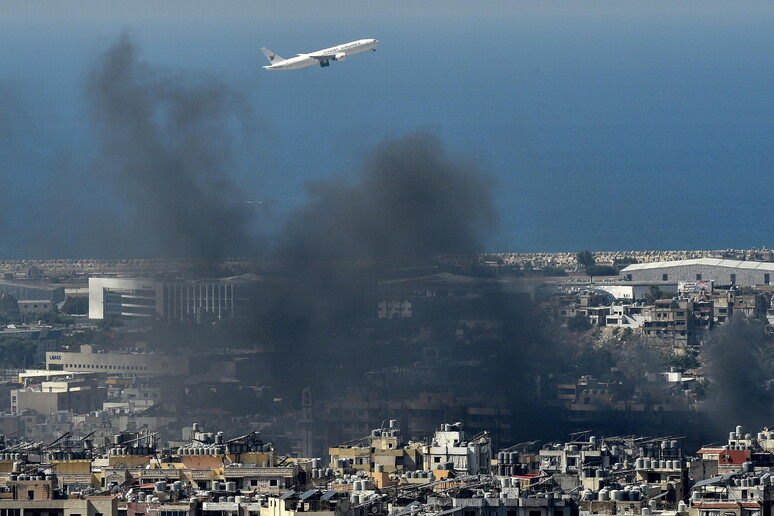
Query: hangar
[{"x": 723, "y": 272}]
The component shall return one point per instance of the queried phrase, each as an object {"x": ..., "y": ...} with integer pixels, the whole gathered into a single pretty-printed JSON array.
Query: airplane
[{"x": 323, "y": 57}]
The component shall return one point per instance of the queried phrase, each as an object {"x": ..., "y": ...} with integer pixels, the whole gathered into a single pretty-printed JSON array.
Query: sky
[{"x": 598, "y": 125}]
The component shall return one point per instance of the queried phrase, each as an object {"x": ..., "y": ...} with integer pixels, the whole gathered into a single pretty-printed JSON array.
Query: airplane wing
[{"x": 319, "y": 56}]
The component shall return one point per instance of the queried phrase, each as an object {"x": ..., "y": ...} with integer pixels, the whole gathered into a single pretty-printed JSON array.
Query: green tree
[
  {"x": 585, "y": 259},
  {"x": 76, "y": 305},
  {"x": 9, "y": 306},
  {"x": 655, "y": 293},
  {"x": 601, "y": 270}
]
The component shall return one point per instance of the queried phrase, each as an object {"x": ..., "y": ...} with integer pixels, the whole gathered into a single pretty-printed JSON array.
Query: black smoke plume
[
  {"x": 167, "y": 139},
  {"x": 409, "y": 202},
  {"x": 738, "y": 394},
  {"x": 412, "y": 201}
]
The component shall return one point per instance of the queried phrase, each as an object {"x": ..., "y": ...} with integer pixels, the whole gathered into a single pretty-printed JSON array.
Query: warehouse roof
[{"x": 707, "y": 262}]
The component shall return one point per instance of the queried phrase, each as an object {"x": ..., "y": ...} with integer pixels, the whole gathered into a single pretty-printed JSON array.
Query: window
[
  {"x": 766, "y": 278},
  {"x": 664, "y": 277},
  {"x": 733, "y": 279},
  {"x": 273, "y": 482},
  {"x": 698, "y": 277}
]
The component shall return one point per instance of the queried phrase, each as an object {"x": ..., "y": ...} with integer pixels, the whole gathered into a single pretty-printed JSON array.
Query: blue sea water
[{"x": 598, "y": 132}]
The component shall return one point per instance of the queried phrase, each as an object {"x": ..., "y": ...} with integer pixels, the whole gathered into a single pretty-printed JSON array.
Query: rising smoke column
[
  {"x": 409, "y": 202},
  {"x": 733, "y": 356},
  {"x": 6, "y": 131},
  {"x": 167, "y": 140},
  {"x": 412, "y": 201}
]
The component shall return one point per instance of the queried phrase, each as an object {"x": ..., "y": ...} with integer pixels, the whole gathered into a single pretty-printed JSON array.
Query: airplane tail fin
[{"x": 271, "y": 56}]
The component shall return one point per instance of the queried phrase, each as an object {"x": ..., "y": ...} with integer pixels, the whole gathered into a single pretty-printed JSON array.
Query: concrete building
[
  {"x": 670, "y": 320},
  {"x": 33, "y": 289},
  {"x": 80, "y": 395},
  {"x": 28, "y": 307},
  {"x": 741, "y": 493},
  {"x": 125, "y": 298},
  {"x": 384, "y": 450},
  {"x": 224, "y": 298},
  {"x": 450, "y": 449},
  {"x": 86, "y": 360}
]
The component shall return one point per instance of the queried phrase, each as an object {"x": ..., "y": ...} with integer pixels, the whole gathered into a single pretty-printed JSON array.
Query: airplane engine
[{"x": 340, "y": 57}]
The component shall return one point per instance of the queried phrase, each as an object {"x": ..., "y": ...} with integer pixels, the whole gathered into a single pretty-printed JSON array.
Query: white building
[
  {"x": 116, "y": 363},
  {"x": 125, "y": 298},
  {"x": 450, "y": 446}
]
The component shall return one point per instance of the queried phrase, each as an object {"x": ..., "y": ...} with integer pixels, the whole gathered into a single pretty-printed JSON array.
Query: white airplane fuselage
[{"x": 321, "y": 57}]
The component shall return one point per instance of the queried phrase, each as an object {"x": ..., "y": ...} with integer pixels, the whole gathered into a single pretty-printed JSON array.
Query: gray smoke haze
[
  {"x": 411, "y": 201},
  {"x": 167, "y": 141},
  {"x": 738, "y": 392},
  {"x": 11, "y": 117}
]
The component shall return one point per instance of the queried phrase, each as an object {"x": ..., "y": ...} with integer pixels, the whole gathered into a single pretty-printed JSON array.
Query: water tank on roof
[
  {"x": 160, "y": 486},
  {"x": 231, "y": 487}
]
